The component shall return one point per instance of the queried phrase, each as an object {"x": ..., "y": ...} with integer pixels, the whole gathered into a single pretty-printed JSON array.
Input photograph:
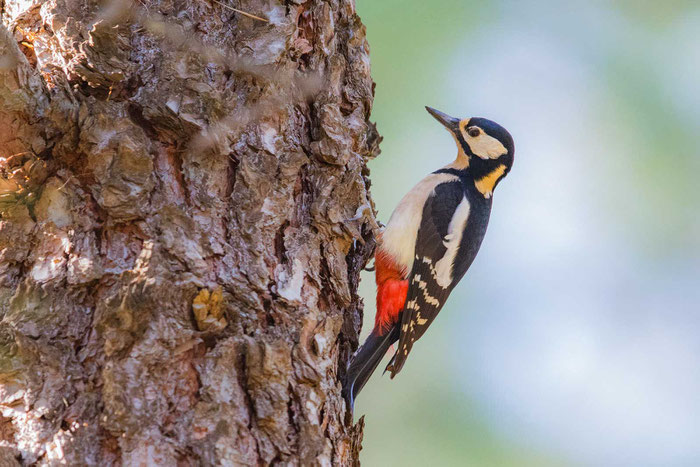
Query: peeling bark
[{"x": 185, "y": 211}]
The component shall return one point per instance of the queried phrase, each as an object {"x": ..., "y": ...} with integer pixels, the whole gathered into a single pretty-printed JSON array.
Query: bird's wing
[{"x": 446, "y": 211}]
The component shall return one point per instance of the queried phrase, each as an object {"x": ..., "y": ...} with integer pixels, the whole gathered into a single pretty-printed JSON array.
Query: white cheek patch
[{"x": 485, "y": 146}]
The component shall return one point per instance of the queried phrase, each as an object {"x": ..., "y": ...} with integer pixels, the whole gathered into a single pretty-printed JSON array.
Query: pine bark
[{"x": 185, "y": 211}]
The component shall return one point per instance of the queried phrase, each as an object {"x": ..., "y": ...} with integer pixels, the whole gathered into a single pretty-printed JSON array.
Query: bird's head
[{"x": 485, "y": 148}]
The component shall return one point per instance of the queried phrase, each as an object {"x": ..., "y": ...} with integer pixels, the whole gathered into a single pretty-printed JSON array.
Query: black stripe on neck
[{"x": 457, "y": 172}]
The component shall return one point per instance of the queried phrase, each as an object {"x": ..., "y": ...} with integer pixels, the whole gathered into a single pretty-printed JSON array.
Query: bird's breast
[{"x": 399, "y": 238}]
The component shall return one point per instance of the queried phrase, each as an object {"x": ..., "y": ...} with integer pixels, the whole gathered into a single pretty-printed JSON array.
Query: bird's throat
[{"x": 461, "y": 162}]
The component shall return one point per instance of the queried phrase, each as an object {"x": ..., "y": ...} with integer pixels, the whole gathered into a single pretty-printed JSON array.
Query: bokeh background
[{"x": 574, "y": 339}]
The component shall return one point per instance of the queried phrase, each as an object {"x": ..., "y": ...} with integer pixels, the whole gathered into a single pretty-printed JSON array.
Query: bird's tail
[{"x": 365, "y": 361}]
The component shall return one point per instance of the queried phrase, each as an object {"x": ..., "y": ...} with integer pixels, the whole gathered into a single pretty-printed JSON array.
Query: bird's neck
[
  {"x": 461, "y": 163},
  {"x": 483, "y": 173}
]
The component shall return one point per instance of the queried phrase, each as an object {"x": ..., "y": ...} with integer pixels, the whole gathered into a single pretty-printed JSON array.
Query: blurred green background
[{"x": 574, "y": 337}]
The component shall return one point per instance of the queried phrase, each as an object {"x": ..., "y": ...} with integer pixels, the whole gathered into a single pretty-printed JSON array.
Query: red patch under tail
[{"x": 392, "y": 289}]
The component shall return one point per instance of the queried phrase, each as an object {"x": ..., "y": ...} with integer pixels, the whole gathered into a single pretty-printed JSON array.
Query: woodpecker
[{"x": 430, "y": 241}]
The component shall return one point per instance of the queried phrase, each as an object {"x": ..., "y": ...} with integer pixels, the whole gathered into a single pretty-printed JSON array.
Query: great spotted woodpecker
[{"x": 430, "y": 241}]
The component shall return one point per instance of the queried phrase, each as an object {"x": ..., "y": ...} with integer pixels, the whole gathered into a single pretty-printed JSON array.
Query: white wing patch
[
  {"x": 399, "y": 237},
  {"x": 443, "y": 268}
]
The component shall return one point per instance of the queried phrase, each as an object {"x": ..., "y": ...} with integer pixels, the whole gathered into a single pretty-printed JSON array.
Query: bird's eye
[{"x": 473, "y": 131}]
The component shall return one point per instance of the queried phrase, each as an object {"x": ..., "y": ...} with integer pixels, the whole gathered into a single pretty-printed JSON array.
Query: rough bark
[{"x": 185, "y": 211}]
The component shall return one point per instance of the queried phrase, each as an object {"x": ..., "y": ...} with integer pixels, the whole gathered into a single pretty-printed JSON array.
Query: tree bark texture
[{"x": 185, "y": 211}]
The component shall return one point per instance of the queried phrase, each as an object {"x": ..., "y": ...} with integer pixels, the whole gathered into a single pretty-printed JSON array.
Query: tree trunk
[{"x": 185, "y": 212}]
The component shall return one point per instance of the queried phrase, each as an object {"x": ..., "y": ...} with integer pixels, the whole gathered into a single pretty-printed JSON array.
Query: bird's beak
[{"x": 450, "y": 123}]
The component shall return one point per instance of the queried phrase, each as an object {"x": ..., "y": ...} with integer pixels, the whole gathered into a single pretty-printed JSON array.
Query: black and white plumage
[
  {"x": 430, "y": 241},
  {"x": 452, "y": 228}
]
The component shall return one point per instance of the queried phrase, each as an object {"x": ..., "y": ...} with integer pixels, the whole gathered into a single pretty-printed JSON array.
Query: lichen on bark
[{"x": 185, "y": 211}]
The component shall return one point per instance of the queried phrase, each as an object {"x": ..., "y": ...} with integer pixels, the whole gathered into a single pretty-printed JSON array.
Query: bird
[{"x": 429, "y": 243}]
